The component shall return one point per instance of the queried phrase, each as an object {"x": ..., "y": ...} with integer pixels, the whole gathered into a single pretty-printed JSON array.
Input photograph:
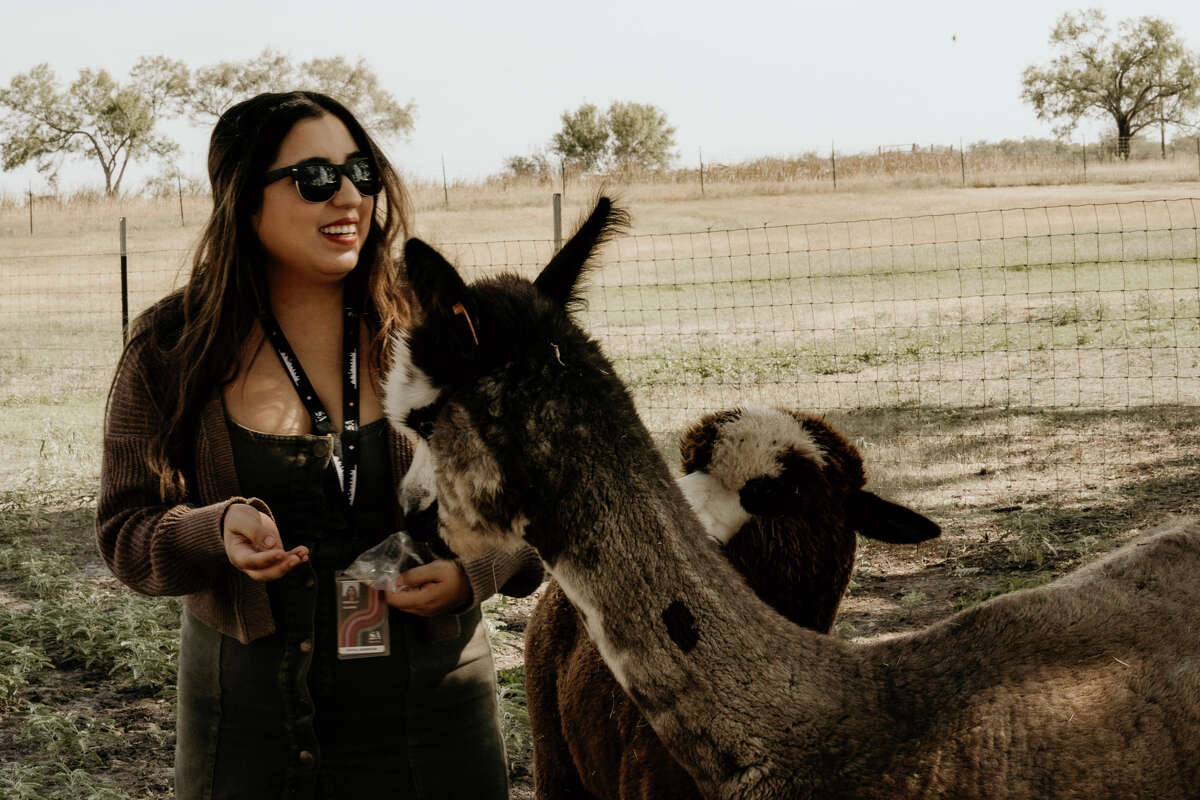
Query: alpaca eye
[{"x": 421, "y": 420}]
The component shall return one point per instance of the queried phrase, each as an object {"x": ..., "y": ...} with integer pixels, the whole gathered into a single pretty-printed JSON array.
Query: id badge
[{"x": 362, "y": 620}]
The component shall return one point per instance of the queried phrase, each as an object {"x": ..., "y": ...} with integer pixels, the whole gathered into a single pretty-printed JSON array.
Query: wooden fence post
[{"x": 445, "y": 188}]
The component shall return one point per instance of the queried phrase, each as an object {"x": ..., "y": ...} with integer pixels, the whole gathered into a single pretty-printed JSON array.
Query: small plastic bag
[{"x": 379, "y": 566}]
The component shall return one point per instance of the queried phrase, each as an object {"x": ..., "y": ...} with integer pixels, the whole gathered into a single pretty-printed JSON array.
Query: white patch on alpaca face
[
  {"x": 593, "y": 620},
  {"x": 718, "y": 507},
  {"x": 750, "y": 446},
  {"x": 465, "y": 479},
  {"x": 470, "y": 471},
  {"x": 405, "y": 388}
]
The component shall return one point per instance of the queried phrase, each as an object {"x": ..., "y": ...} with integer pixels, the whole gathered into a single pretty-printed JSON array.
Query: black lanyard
[{"x": 345, "y": 463}]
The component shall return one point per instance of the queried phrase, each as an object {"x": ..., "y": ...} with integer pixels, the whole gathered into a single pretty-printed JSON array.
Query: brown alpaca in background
[{"x": 802, "y": 481}]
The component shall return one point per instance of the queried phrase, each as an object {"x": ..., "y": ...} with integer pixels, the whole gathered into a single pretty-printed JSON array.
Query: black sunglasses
[{"x": 319, "y": 182}]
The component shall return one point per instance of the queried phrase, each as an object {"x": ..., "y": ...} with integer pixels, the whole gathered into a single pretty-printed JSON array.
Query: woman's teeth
[{"x": 339, "y": 230}]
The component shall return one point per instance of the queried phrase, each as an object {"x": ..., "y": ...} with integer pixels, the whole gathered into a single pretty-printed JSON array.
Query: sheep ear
[
  {"x": 886, "y": 521},
  {"x": 440, "y": 291},
  {"x": 559, "y": 280}
]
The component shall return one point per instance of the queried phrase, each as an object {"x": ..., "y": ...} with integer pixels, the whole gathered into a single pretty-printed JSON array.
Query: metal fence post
[
  {"x": 30, "y": 190},
  {"x": 179, "y": 185},
  {"x": 124, "y": 287},
  {"x": 557, "y": 222},
  {"x": 833, "y": 162}
]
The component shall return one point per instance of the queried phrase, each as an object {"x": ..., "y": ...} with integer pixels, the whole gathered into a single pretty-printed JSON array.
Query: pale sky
[{"x": 490, "y": 79}]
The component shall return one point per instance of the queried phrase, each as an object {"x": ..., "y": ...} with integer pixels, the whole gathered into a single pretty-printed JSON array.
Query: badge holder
[{"x": 362, "y": 620}]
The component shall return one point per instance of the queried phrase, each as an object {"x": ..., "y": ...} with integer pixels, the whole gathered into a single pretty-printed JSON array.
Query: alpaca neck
[{"x": 712, "y": 667}]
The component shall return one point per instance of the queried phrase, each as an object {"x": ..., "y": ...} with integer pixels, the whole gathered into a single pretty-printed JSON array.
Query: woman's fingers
[
  {"x": 252, "y": 544},
  {"x": 274, "y": 564},
  {"x": 246, "y": 558},
  {"x": 419, "y": 600},
  {"x": 435, "y": 588},
  {"x": 423, "y": 574}
]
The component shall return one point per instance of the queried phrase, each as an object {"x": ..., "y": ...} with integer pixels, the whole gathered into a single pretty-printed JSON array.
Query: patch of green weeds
[
  {"x": 66, "y": 744},
  {"x": 910, "y": 601},
  {"x": 19, "y": 663},
  {"x": 21, "y": 781},
  {"x": 514, "y": 720},
  {"x": 1013, "y": 584},
  {"x": 135, "y": 642},
  {"x": 79, "y": 785},
  {"x": 66, "y": 737},
  {"x": 77, "y": 623}
]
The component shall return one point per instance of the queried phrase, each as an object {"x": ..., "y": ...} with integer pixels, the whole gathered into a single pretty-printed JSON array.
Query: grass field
[{"x": 1020, "y": 363}]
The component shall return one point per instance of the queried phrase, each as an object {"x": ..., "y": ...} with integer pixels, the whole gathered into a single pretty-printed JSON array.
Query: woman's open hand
[
  {"x": 428, "y": 590},
  {"x": 253, "y": 545}
]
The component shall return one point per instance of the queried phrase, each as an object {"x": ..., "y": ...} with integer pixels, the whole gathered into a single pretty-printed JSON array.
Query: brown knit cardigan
[{"x": 159, "y": 548}]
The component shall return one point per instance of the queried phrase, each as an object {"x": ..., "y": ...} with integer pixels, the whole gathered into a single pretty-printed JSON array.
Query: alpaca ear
[
  {"x": 560, "y": 279},
  {"x": 886, "y": 521},
  {"x": 440, "y": 291},
  {"x": 697, "y": 442}
]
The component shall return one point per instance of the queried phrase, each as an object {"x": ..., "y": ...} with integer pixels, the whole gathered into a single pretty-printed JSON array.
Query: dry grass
[{"x": 1077, "y": 297}]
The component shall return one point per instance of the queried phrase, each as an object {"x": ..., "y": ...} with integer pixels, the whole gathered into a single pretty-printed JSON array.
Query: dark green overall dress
[{"x": 283, "y": 717}]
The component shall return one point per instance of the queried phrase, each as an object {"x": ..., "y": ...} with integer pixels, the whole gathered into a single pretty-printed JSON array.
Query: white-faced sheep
[
  {"x": 1086, "y": 687},
  {"x": 783, "y": 492}
]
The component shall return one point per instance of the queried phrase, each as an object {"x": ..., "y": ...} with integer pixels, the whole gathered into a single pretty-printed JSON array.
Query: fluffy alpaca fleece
[
  {"x": 1087, "y": 687},
  {"x": 804, "y": 482}
]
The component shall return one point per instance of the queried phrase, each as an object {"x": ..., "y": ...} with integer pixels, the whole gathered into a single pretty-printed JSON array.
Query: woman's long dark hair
[{"x": 197, "y": 334}]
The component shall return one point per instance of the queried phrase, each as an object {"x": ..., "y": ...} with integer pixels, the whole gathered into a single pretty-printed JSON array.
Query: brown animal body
[
  {"x": 1087, "y": 687},
  {"x": 804, "y": 481}
]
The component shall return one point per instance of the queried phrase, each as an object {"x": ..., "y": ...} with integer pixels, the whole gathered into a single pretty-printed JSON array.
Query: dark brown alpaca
[
  {"x": 803, "y": 480},
  {"x": 1087, "y": 687}
]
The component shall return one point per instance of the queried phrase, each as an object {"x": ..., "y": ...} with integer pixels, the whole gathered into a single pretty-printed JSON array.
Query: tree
[
  {"x": 640, "y": 135},
  {"x": 628, "y": 134},
  {"x": 1143, "y": 76},
  {"x": 215, "y": 88},
  {"x": 357, "y": 87},
  {"x": 535, "y": 166},
  {"x": 95, "y": 117},
  {"x": 583, "y": 140}
]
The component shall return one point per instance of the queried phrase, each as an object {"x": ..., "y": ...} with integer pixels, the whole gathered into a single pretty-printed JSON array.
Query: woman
[{"x": 245, "y": 464}]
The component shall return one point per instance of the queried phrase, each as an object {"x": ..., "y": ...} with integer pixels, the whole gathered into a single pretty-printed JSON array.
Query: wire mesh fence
[
  {"x": 1053, "y": 347},
  {"x": 1059, "y": 346}
]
